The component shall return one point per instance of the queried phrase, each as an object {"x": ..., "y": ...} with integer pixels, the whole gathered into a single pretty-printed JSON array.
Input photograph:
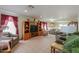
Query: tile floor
[{"x": 39, "y": 44}]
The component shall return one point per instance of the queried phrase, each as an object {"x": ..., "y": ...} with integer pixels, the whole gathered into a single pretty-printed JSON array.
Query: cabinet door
[{"x": 26, "y": 36}]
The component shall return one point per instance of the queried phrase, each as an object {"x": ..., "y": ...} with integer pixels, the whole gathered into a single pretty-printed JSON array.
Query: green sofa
[{"x": 71, "y": 45}]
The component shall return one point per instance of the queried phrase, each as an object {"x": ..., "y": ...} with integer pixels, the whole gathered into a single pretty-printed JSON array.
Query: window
[
  {"x": 62, "y": 25},
  {"x": 67, "y": 29},
  {"x": 10, "y": 27}
]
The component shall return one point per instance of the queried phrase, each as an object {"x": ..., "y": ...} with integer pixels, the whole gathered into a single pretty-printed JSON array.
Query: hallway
[{"x": 40, "y": 44}]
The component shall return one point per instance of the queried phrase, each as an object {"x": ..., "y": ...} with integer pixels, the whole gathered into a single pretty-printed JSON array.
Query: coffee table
[{"x": 57, "y": 46}]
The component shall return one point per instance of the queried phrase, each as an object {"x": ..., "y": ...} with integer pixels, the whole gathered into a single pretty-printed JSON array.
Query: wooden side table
[{"x": 57, "y": 46}]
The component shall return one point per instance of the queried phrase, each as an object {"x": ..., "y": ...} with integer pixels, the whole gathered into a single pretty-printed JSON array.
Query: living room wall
[
  {"x": 20, "y": 21},
  {"x": 21, "y": 18}
]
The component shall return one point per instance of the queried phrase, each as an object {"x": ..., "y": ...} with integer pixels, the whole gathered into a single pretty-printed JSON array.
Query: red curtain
[
  {"x": 5, "y": 18},
  {"x": 43, "y": 24},
  {"x": 46, "y": 26},
  {"x": 15, "y": 19}
]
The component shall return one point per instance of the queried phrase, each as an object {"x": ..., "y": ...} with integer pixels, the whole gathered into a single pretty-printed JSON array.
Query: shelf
[{"x": 26, "y": 30}]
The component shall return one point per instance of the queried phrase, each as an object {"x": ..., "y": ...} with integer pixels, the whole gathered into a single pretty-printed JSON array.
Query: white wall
[{"x": 20, "y": 23}]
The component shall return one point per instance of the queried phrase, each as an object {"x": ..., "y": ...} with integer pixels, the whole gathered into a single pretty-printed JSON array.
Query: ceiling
[{"x": 44, "y": 11}]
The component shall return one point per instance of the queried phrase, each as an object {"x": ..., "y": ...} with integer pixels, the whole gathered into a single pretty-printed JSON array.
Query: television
[{"x": 33, "y": 28}]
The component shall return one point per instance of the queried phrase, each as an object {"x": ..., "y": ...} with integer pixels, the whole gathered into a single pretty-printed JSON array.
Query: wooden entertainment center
[{"x": 31, "y": 29}]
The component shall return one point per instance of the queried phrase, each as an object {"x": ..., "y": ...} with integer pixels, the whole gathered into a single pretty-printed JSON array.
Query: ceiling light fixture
[
  {"x": 30, "y": 6},
  {"x": 25, "y": 10},
  {"x": 52, "y": 20}
]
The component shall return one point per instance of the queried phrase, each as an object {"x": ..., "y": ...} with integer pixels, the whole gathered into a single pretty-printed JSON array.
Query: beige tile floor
[{"x": 39, "y": 44}]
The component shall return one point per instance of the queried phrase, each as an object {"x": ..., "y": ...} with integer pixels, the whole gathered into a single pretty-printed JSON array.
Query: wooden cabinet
[
  {"x": 40, "y": 32},
  {"x": 39, "y": 26},
  {"x": 26, "y": 30},
  {"x": 26, "y": 36}
]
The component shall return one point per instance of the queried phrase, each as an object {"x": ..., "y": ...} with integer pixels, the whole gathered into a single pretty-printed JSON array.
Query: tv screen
[{"x": 33, "y": 28}]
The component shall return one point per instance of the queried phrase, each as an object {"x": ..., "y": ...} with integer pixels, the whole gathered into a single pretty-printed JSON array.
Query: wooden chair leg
[
  {"x": 54, "y": 50},
  {"x": 51, "y": 49}
]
